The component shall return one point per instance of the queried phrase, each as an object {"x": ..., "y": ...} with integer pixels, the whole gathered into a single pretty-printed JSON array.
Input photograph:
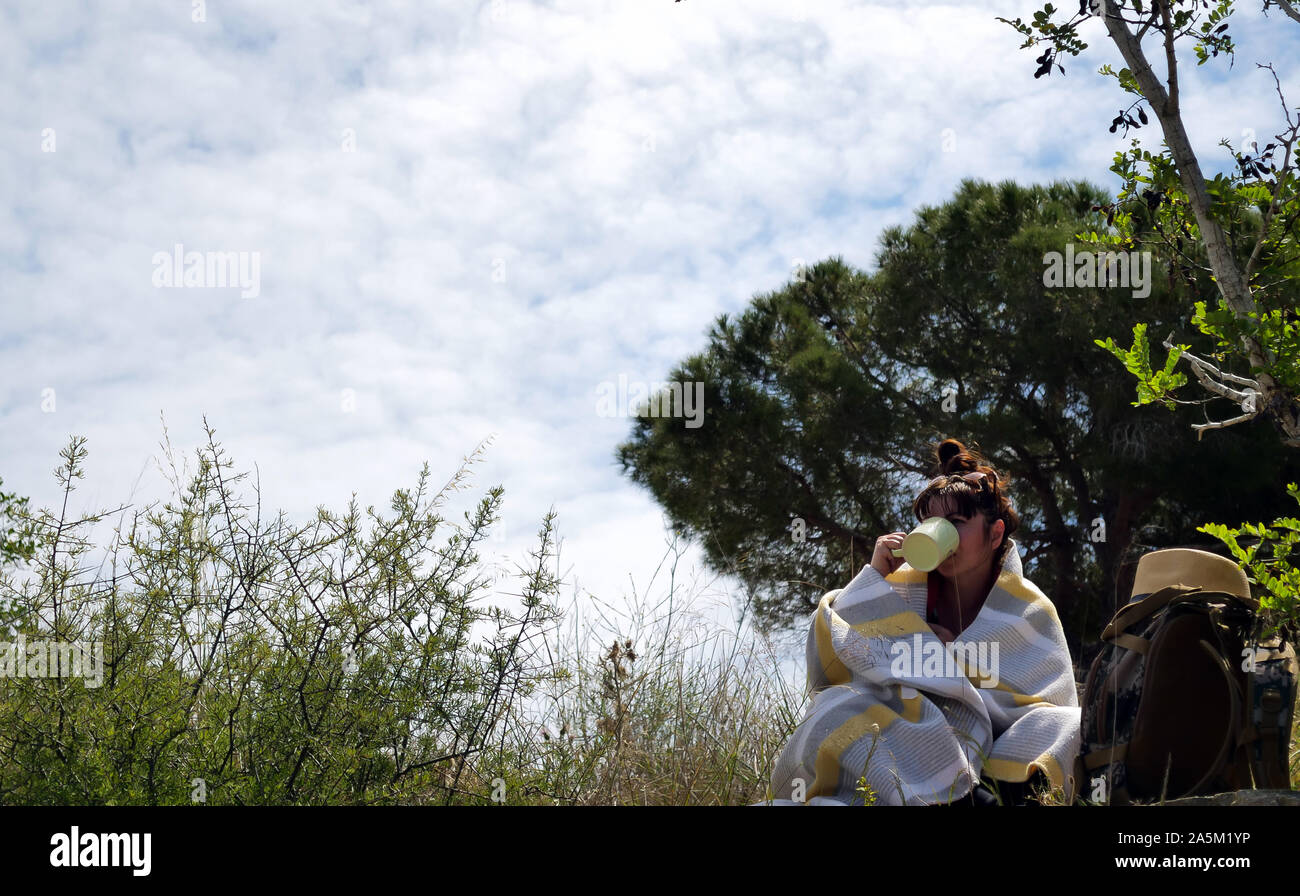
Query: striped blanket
[{"x": 920, "y": 720}]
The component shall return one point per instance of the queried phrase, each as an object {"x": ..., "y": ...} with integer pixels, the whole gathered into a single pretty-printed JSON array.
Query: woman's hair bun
[
  {"x": 984, "y": 494},
  {"x": 953, "y": 457}
]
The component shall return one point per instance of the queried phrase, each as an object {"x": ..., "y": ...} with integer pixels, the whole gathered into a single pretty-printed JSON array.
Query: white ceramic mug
[{"x": 932, "y": 541}]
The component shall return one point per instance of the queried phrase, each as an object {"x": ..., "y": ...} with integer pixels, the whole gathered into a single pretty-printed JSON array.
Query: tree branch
[
  {"x": 1229, "y": 276},
  {"x": 1286, "y": 8},
  {"x": 1274, "y": 201},
  {"x": 1248, "y": 398}
]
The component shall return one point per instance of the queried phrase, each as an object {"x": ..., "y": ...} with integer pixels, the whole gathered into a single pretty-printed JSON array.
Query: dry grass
[{"x": 677, "y": 700}]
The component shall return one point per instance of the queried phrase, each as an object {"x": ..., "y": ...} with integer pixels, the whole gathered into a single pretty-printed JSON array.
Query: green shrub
[{"x": 247, "y": 660}]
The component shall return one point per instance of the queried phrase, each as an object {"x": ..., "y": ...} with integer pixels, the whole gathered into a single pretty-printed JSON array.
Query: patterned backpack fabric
[{"x": 1181, "y": 700}]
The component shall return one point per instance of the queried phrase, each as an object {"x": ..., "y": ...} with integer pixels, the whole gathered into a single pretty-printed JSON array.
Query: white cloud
[{"x": 537, "y": 201}]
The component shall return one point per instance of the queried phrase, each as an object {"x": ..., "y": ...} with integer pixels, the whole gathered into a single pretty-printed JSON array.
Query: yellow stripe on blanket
[
  {"x": 1019, "y": 772},
  {"x": 831, "y": 750},
  {"x": 906, "y": 575},
  {"x": 836, "y": 672},
  {"x": 1017, "y": 698},
  {"x": 905, "y": 623},
  {"x": 1020, "y": 588}
]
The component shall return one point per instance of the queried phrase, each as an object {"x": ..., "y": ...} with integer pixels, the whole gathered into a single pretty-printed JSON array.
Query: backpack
[{"x": 1183, "y": 700}]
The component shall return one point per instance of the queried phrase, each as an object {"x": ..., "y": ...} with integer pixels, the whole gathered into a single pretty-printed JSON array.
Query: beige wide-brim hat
[{"x": 1184, "y": 566}]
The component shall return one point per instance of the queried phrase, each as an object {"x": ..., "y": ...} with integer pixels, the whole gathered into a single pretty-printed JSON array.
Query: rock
[{"x": 1238, "y": 798}]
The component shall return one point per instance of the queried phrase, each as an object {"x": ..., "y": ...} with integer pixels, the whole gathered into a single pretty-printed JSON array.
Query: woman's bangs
[{"x": 960, "y": 492}]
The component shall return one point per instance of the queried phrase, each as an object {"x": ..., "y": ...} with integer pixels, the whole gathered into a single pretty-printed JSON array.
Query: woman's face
[{"x": 976, "y": 548}]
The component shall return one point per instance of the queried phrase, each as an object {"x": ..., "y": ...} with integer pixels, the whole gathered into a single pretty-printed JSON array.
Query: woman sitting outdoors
[{"x": 952, "y": 686}]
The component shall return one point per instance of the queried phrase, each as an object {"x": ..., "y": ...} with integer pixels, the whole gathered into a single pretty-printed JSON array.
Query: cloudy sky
[{"x": 467, "y": 216}]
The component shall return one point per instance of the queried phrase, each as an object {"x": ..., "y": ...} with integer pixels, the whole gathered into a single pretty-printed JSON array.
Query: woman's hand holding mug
[{"x": 883, "y": 560}]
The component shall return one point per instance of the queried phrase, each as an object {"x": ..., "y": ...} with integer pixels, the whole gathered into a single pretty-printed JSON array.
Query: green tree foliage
[
  {"x": 1266, "y": 556},
  {"x": 823, "y": 398},
  {"x": 16, "y": 541},
  {"x": 1239, "y": 230}
]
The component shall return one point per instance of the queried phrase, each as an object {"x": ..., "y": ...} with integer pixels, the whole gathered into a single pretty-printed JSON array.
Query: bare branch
[
  {"x": 1248, "y": 398},
  {"x": 1171, "y": 60},
  {"x": 1287, "y": 139},
  {"x": 1223, "y": 424},
  {"x": 1204, "y": 369},
  {"x": 1286, "y": 8}
]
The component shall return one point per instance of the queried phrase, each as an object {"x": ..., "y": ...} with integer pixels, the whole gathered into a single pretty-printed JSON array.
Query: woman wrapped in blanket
[{"x": 949, "y": 687}]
